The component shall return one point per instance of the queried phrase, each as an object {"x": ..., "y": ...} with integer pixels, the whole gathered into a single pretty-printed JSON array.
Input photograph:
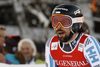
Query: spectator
[
  {"x": 28, "y": 49},
  {"x": 2, "y": 36},
  {"x": 2, "y": 58},
  {"x": 95, "y": 7},
  {"x": 2, "y": 39},
  {"x": 10, "y": 48}
]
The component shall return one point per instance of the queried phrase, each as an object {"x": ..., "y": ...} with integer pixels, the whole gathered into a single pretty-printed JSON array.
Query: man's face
[
  {"x": 2, "y": 37},
  {"x": 62, "y": 33}
]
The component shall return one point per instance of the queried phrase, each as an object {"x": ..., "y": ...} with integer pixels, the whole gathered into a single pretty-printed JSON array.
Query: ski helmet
[{"x": 72, "y": 11}]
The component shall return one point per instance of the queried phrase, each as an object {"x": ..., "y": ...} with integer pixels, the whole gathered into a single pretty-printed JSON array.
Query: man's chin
[{"x": 61, "y": 39}]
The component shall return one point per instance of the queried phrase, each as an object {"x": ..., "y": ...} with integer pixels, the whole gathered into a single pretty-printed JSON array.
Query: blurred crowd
[
  {"x": 15, "y": 50},
  {"x": 95, "y": 8}
]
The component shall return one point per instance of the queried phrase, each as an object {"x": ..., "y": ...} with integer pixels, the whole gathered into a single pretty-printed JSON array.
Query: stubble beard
[{"x": 63, "y": 39}]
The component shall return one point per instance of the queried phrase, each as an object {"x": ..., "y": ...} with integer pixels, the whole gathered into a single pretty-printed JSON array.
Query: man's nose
[{"x": 59, "y": 25}]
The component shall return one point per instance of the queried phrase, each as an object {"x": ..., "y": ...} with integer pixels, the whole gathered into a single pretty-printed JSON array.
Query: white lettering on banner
[
  {"x": 70, "y": 63},
  {"x": 77, "y": 11}
]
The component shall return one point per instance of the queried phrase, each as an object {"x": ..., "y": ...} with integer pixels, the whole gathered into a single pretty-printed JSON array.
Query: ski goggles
[{"x": 64, "y": 20}]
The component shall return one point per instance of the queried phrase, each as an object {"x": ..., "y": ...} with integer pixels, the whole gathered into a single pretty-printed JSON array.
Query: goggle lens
[{"x": 65, "y": 21}]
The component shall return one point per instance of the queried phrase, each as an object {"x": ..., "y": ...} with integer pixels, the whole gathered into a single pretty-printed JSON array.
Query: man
[
  {"x": 2, "y": 36},
  {"x": 2, "y": 40},
  {"x": 70, "y": 47}
]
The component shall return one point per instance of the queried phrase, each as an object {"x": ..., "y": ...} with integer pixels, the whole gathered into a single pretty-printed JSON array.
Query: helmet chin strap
[{"x": 71, "y": 30}]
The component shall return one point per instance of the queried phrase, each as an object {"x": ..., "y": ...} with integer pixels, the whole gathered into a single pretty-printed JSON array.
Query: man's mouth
[{"x": 60, "y": 32}]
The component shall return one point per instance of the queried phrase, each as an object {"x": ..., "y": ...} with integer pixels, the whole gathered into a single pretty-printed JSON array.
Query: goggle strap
[{"x": 78, "y": 20}]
